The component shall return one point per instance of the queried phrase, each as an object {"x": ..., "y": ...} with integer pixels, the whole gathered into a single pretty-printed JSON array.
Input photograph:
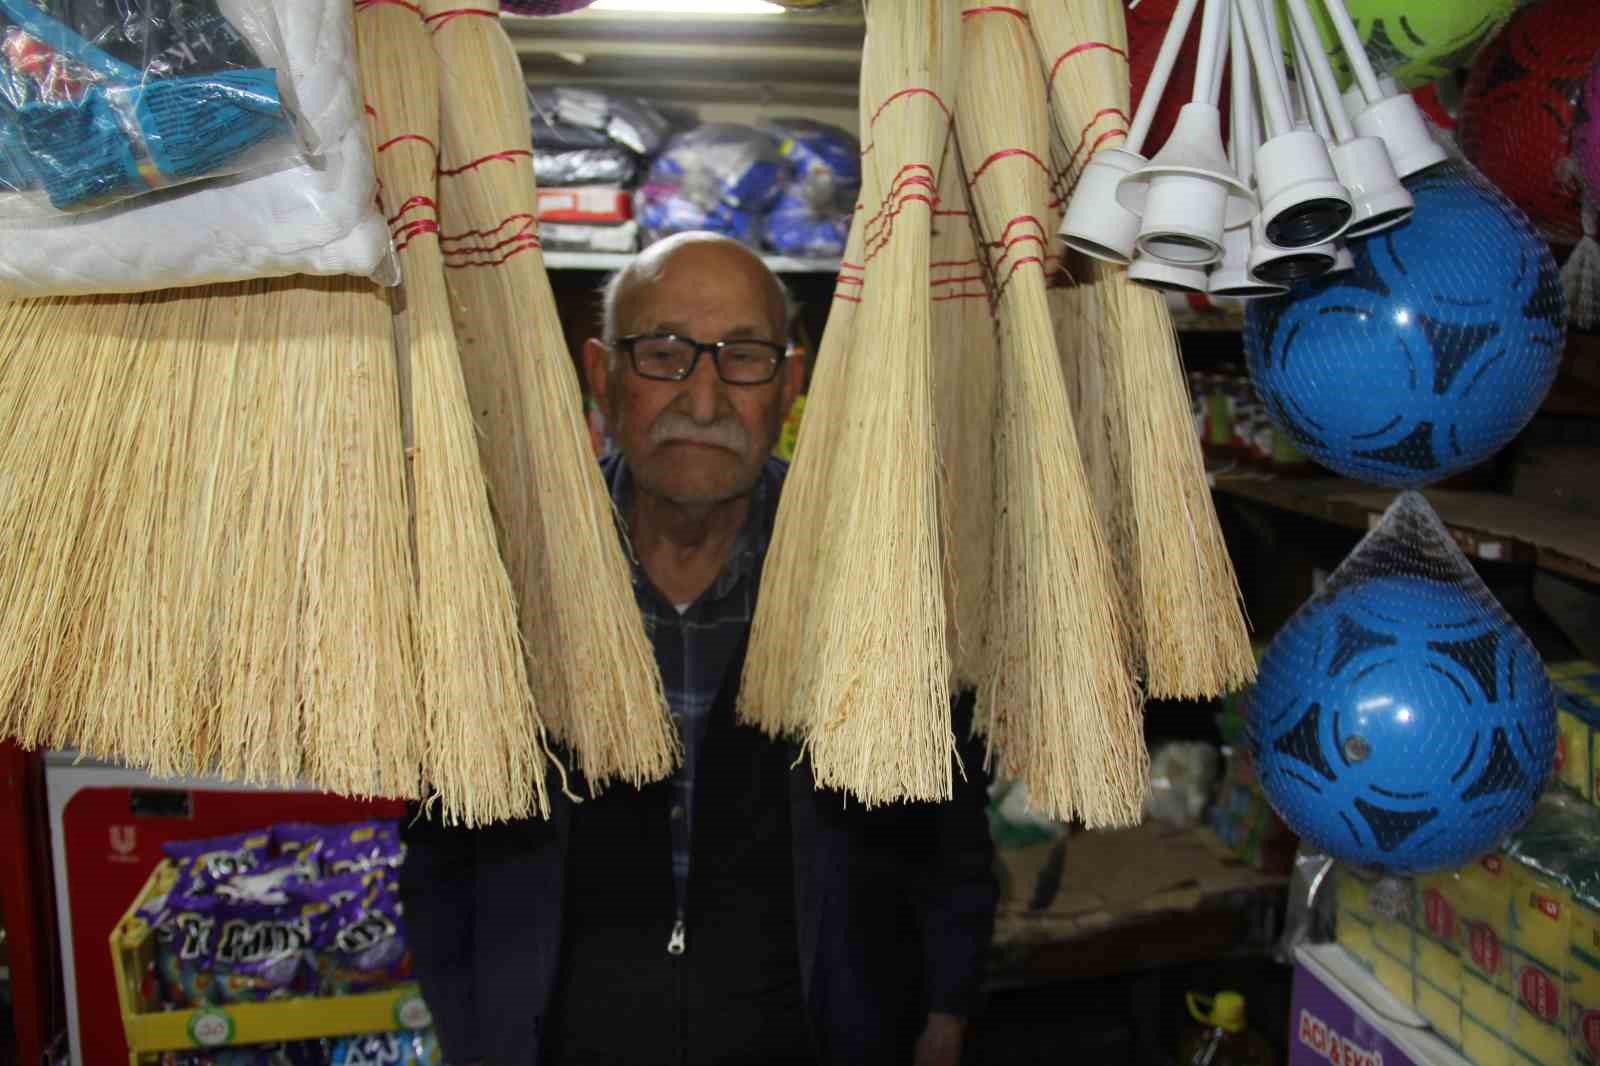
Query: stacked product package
[
  {"x": 589, "y": 151},
  {"x": 789, "y": 187},
  {"x": 1501, "y": 957},
  {"x": 295, "y": 910}
]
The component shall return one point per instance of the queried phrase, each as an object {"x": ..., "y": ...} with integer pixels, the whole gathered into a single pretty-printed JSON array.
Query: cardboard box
[{"x": 1339, "y": 1013}]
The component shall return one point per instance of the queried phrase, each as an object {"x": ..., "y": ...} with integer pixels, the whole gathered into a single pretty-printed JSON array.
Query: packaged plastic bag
[
  {"x": 720, "y": 177},
  {"x": 823, "y": 180},
  {"x": 319, "y": 217},
  {"x": 566, "y": 119},
  {"x": 107, "y": 99}
]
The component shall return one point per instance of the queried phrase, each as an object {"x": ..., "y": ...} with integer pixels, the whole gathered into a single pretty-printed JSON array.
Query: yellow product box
[
  {"x": 1539, "y": 1023},
  {"x": 1353, "y": 932},
  {"x": 1392, "y": 905},
  {"x": 1486, "y": 1023},
  {"x": 1396, "y": 976},
  {"x": 1583, "y": 970},
  {"x": 1438, "y": 956},
  {"x": 1541, "y": 917},
  {"x": 1480, "y": 896}
]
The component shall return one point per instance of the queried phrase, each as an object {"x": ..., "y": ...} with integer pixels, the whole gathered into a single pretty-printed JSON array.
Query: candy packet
[
  {"x": 360, "y": 946},
  {"x": 388, "y": 1049}
]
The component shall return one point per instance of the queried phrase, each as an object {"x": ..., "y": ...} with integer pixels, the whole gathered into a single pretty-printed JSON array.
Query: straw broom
[
  {"x": 878, "y": 692},
  {"x": 590, "y": 661},
  {"x": 1194, "y": 637},
  {"x": 1064, "y": 713},
  {"x": 964, "y": 383},
  {"x": 1187, "y": 630},
  {"x": 483, "y": 748},
  {"x": 768, "y": 689},
  {"x": 50, "y": 501}
]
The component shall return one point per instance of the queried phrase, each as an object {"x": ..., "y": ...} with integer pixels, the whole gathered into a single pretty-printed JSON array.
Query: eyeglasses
[{"x": 669, "y": 357}]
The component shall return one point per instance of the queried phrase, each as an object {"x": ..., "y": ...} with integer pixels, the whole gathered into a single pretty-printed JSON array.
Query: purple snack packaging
[
  {"x": 361, "y": 945},
  {"x": 202, "y": 864},
  {"x": 335, "y": 892},
  {"x": 259, "y": 951},
  {"x": 297, "y": 1053},
  {"x": 268, "y": 882},
  {"x": 362, "y": 846},
  {"x": 388, "y": 1049},
  {"x": 184, "y": 932}
]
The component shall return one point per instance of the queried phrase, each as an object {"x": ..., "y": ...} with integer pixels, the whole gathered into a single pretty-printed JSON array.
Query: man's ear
[{"x": 597, "y": 371}]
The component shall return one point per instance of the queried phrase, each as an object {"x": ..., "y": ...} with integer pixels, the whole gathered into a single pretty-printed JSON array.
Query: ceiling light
[{"x": 690, "y": 7}]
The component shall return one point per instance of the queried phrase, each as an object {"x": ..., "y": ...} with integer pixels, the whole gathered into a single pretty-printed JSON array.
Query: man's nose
[{"x": 704, "y": 389}]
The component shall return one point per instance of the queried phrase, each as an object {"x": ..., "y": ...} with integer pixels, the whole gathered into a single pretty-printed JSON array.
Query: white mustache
[{"x": 675, "y": 427}]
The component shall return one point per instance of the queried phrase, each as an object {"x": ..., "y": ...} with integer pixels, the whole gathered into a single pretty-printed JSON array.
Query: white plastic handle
[
  {"x": 1354, "y": 51},
  {"x": 1310, "y": 100},
  {"x": 1241, "y": 102},
  {"x": 1160, "y": 74},
  {"x": 1213, "y": 44},
  {"x": 1273, "y": 97},
  {"x": 1308, "y": 44}
]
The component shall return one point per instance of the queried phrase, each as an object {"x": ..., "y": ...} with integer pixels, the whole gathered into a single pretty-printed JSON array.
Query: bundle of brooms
[
  {"x": 1187, "y": 631},
  {"x": 483, "y": 742},
  {"x": 206, "y": 556},
  {"x": 589, "y": 660},
  {"x": 1062, "y": 712},
  {"x": 871, "y": 689}
]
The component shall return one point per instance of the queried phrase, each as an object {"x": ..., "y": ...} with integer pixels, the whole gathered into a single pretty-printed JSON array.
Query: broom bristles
[
  {"x": 589, "y": 656},
  {"x": 964, "y": 388},
  {"x": 1064, "y": 713},
  {"x": 768, "y": 689},
  {"x": 879, "y": 687},
  {"x": 483, "y": 752}
]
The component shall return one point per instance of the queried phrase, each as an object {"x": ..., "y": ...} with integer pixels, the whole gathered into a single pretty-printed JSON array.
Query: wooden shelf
[{"x": 1488, "y": 526}]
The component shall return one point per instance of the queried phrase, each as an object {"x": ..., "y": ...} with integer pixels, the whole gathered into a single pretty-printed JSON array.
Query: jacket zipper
[{"x": 678, "y": 942}]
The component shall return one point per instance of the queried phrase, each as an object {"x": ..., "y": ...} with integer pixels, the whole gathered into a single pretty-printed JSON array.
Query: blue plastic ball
[
  {"x": 1403, "y": 724},
  {"x": 1429, "y": 356}
]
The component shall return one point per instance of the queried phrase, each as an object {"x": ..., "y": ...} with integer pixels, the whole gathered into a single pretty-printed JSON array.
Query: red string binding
[
  {"x": 494, "y": 157},
  {"x": 1006, "y": 153},
  {"x": 995, "y": 10},
  {"x": 1077, "y": 50},
  {"x": 392, "y": 141},
  {"x": 442, "y": 18},
  {"x": 415, "y": 201},
  {"x": 362, "y": 5}
]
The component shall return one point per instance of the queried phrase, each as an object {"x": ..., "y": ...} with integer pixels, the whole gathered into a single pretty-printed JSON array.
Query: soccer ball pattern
[
  {"x": 1403, "y": 723},
  {"x": 1431, "y": 354},
  {"x": 1519, "y": 114},
  {"x": 1415, "y": 43}
]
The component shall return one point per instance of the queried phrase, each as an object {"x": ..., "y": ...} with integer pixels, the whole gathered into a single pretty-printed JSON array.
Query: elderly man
[{"x": 732, "y": 914}]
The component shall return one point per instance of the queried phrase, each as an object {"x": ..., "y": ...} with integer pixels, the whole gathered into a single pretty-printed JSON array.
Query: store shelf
[
  {"x": 1487, "y": 526},
  {"x": 779, "y": 264}
]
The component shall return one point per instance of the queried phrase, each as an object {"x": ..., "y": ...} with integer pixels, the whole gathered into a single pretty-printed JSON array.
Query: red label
[
  {"x": 1441, "y": 917},
  {"x": 1546, "y": 906},
  {"x": 1589, "y": 1027},
  {"x": 1540, "y": 994},
  {"x": 1561, "y": 752},
  {"x": 1485, "y": 947}
]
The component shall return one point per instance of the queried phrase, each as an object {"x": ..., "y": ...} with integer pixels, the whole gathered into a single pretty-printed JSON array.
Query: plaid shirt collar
[{"x": 749, "y": 549}]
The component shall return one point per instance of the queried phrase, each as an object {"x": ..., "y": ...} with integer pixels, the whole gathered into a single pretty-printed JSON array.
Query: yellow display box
[{"x": 151, "y": 1030}]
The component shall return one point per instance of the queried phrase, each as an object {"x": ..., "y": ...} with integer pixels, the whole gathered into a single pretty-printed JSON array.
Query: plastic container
[{"x": 1221, "y": 1035}]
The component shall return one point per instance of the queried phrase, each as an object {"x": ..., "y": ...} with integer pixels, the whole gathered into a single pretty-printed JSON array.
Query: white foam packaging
[{"x": 314, "y": 218}]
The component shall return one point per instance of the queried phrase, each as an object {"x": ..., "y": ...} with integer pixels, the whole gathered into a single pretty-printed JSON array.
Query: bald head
[{"x": 696, "y": 252}]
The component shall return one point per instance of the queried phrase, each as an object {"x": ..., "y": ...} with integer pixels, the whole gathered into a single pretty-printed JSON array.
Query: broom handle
[
  {"x": 1305, "y": 90},
  {"x": 1241, "y": 102},
  {"x": 1268, "y": 74},
  {"x": 1323, "y": 83},
  {"x": 1213, "y": 42},
  {"x": 1160, "y": 74},
  {"x": 1354, "y": 50},
  {"x": 1222, "y": 49}
]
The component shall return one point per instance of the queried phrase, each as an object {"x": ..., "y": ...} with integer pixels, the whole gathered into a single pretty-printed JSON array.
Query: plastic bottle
[{"x": 1222, "y": 1037}]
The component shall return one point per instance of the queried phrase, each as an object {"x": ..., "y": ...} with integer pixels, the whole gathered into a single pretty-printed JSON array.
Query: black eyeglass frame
[{"x": 625, "y": 345}]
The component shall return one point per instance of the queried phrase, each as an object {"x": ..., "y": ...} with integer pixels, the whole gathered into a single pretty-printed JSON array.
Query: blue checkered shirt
[{"x": 695, "y": 648}]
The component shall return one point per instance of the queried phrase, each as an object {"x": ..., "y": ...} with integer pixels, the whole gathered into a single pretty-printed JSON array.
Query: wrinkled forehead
[{"x": 705, "y": 283}]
